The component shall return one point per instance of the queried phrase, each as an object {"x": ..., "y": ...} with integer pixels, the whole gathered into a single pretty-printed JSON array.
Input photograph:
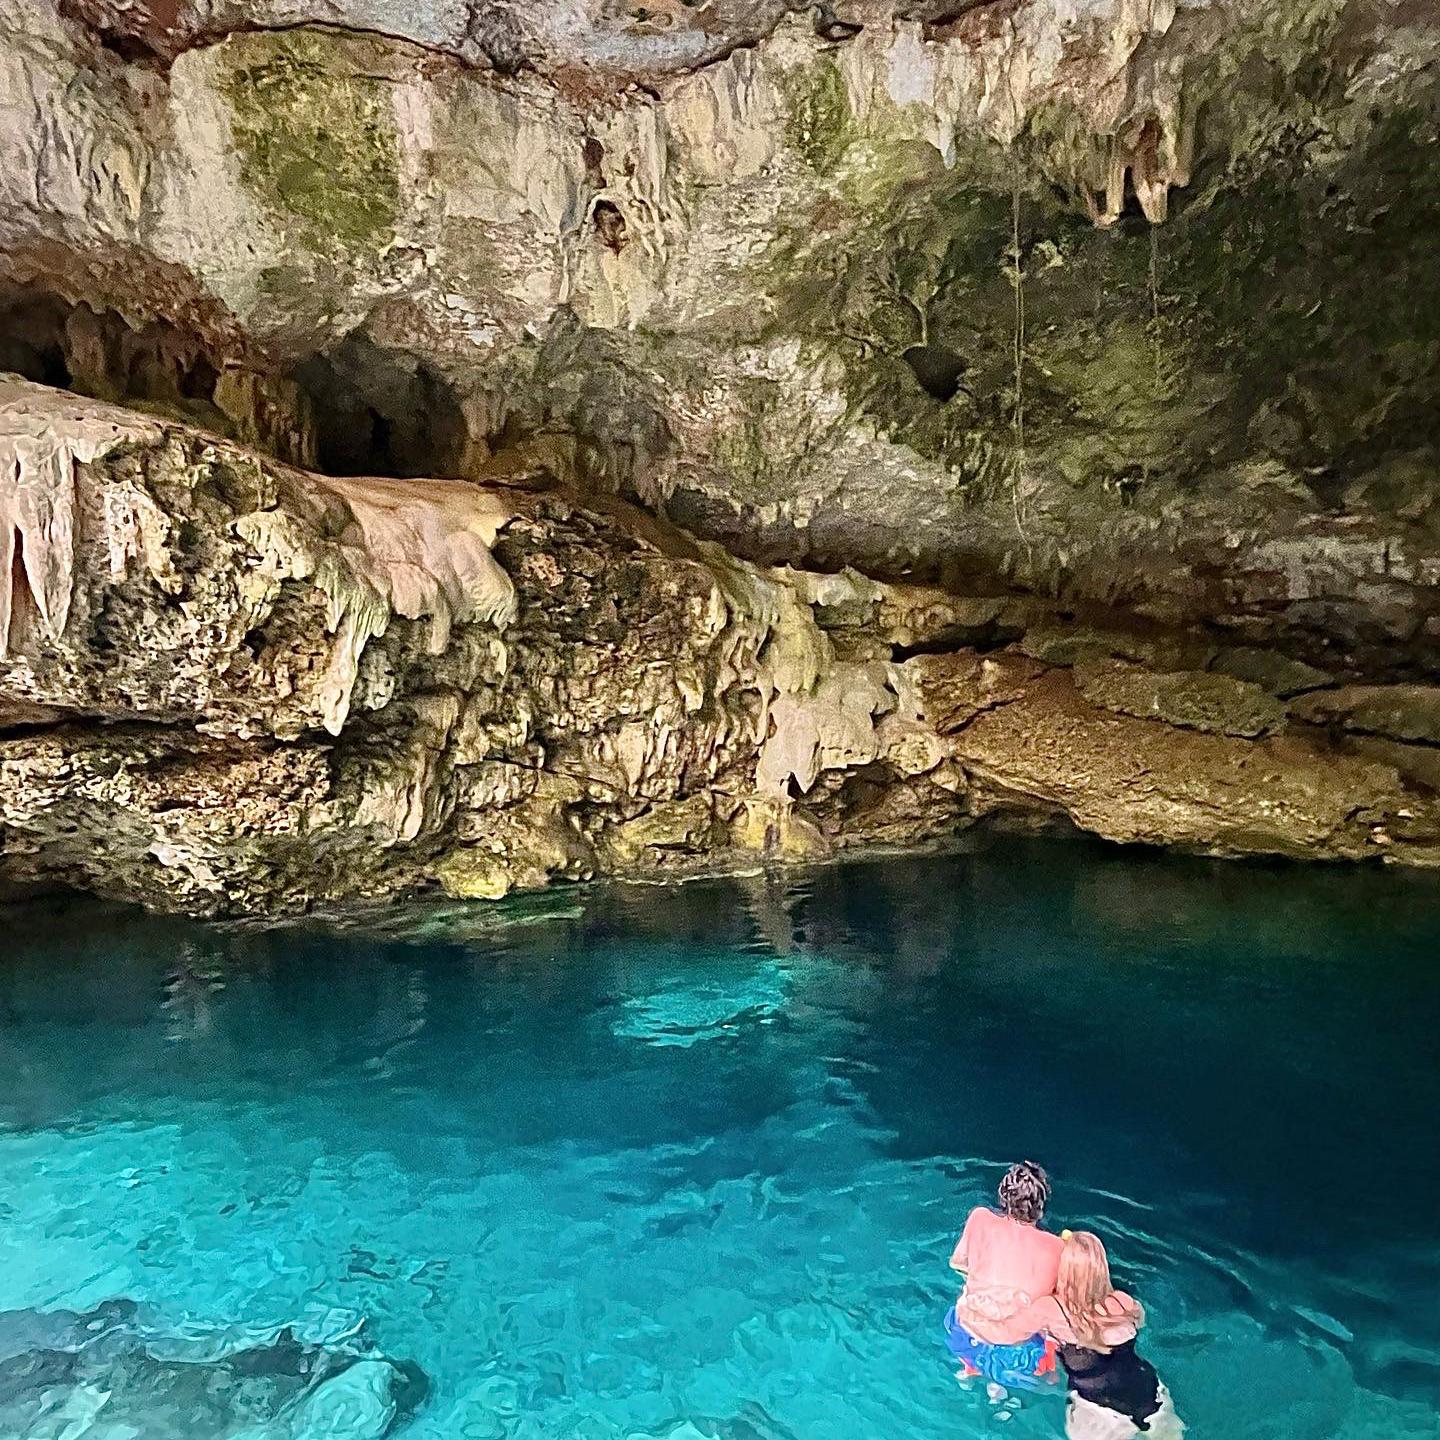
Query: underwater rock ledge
[
  {"x": 231, "y": 686},
  {"x": 118, "y": 1370}
]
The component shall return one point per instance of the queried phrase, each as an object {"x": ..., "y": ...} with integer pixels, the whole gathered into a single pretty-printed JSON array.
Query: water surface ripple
[{"x": 688, "y": 1162}]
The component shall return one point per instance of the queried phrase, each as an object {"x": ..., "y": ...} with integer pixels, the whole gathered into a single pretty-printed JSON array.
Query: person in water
[
  {"x": 1009, "y": 1263},
  {"x": 1113, "y": 1392}
]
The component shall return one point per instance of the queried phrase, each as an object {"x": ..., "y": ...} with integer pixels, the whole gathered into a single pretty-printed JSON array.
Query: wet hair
[{"x": 1025, "y": 1192}]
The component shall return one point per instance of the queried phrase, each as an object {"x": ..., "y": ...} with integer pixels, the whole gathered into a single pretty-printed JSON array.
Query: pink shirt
[{"x": 1008, "y": 1266}]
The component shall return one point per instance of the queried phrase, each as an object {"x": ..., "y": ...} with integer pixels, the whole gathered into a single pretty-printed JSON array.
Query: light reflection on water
[{"x": 678, "y": 1162}]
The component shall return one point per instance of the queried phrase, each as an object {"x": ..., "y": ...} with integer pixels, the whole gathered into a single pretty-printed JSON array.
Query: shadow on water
[{"x": 728, "y": 1128}]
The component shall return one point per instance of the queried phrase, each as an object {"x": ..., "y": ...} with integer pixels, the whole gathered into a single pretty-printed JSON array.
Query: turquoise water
[{"x": 689, "y": 1162}]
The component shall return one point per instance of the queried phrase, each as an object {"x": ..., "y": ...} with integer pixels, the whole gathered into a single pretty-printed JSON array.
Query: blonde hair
[{"x": 1084, "y": 1287}]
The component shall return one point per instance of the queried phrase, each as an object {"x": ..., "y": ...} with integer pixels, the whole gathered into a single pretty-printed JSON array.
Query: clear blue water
[{"x": 689, "y": 1162}]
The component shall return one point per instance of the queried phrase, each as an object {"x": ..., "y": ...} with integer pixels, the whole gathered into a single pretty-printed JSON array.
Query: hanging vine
[
  {"x": 1155, "y": 309},
  {"x": 1017, "y": 469}
]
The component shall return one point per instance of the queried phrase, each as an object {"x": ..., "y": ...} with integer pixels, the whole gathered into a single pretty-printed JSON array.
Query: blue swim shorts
[{"x": 1030, "y": 1365}]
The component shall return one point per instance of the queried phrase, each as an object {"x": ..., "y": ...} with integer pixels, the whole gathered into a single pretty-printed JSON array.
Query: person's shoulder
[
  {"x": 980, "y": 1216},
  {"x": 1050, "y": 1240}
]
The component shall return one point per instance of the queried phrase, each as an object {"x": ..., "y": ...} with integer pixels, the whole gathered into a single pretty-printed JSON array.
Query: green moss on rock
[
  {"x": 316, "y": 140},
  {"x": 1313, "y": 279},
  {"x": 818, "y": 123},
  {"x": 1191, "y": 699}
]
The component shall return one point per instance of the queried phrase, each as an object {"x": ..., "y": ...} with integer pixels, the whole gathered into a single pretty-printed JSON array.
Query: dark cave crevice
[
  {"x": 939, "y": 369},
  {"x": 355, "y": 409},
  {"x": 983, "y": 640},
  {"x": 609, "y": 222},
  {"x": 153, "y": 366},
  {"x": 99, "y": 353},
  {"x": 379, "y": 411},
  {"x": 31, "y": 342}
]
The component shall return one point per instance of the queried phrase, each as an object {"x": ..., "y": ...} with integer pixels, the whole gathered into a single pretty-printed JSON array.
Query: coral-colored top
[{"x": 1007, "y": 1266}]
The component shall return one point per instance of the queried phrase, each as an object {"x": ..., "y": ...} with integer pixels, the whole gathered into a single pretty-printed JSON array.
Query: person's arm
[
  {"x": 960, "y": 1257},
  {"x": 1045, "y": 1316},
  {"x": 1131, "y": 1309}
]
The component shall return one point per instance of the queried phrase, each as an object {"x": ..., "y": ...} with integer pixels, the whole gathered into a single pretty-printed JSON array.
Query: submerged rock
[
  {"x": 359, "y": 1402},
  {"x": 115, "y": 1372}
]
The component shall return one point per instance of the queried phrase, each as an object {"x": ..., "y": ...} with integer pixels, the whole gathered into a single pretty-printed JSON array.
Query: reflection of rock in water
[
  {"x": 683, "y": 1012},
  {"x": 111, "y": 1375}
]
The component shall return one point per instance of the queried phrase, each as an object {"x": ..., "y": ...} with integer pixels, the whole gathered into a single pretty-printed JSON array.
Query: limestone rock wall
[
  {"x": 472, "y": 443},
  {"x": 287, "y": 179},
  {"x": 1119, "y": 302},
  {"x": 230, "y": 686}
]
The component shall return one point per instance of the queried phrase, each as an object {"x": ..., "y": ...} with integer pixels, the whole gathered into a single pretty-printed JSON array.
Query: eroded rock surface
[
  {"x": 516, "y": 440},
  {"x": 232, "y": 686},
  {"x": 1123, "y": 302}
]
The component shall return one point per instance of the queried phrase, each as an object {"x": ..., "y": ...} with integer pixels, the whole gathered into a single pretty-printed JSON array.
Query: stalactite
[
  {"x": 419, "y": 549},
  {"x": 38, "y": 460}
]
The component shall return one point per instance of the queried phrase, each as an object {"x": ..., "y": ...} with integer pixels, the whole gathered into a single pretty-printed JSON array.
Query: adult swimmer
[
  {"x": 1009, "y": 1264},
  {"x": 1114, "y": 1394}
]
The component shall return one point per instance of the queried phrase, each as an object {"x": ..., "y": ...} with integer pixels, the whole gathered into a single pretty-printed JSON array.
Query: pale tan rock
[
  {"x": 670, "y": 830},
  {"x": 1419, "y": 764},
  {"x": 1078, "y": 643},
  {"x": 97, "y": 149},
  {"x": 952, "y": 690},
  {"x": 533, "y": 689},
  {"x": 363, "y": 550},
  {"x": 1133, "y": 780},
  {"x": 672, "y": 252},
  {"x": 481, "y": 689},
  {"x": 830, "y": 727},
  {"x": 44, "y": 438},
  {"x": 919, "y": 617}
]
